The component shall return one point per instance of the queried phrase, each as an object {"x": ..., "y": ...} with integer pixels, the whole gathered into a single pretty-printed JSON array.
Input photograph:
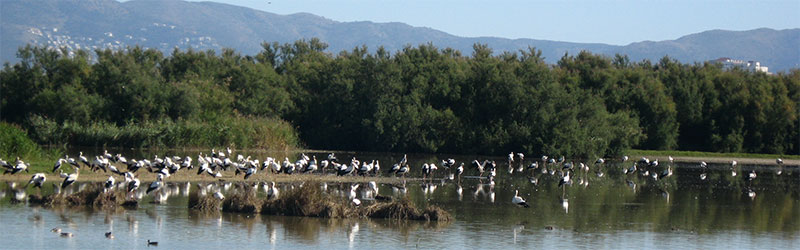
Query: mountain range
[{"x": 169, "y": 24}]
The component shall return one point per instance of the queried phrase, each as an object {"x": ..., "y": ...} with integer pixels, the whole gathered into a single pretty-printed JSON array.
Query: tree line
[{"x": 418, "y": 99}]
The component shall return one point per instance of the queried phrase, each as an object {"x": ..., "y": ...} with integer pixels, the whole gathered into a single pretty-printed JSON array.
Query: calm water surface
[{"x": 601, "y": 209}]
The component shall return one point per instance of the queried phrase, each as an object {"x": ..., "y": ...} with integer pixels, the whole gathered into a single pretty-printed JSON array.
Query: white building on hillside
[{"x": 750, "y": 65}]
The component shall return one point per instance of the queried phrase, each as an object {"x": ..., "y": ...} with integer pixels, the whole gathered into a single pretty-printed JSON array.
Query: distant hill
[{"x": 167, "y": 24}]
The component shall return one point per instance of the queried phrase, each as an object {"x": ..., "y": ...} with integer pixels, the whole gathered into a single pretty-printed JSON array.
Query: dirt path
[
  {"x": 184, "y": 176},
  {"x": 724, "y": 160}
]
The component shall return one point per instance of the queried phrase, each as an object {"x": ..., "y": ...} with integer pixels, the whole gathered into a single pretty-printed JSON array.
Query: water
[{"x": 614, "y": 210}]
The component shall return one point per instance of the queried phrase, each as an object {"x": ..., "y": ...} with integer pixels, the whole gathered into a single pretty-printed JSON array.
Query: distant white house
[{"x": 729, "y": 63}]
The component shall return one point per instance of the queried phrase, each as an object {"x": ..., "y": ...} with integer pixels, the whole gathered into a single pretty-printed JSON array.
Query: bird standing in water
[{"x": 518, "y": 200}]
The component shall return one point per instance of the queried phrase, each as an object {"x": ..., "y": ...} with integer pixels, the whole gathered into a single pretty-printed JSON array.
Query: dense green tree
[{"x": 418, "y": 99}]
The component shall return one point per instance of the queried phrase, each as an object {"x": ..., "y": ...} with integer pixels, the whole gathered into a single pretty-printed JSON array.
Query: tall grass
[{"x": 239, "y": 131}]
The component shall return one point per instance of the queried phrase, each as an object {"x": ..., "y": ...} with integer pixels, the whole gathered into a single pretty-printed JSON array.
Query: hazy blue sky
[{"x": 604, "y": 21}]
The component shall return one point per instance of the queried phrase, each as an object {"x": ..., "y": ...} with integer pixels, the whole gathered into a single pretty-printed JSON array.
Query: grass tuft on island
[
  {"x": 243, "y": 201},
  {"x": 404, "y": 209},
  {"x": 204, "y": 203},
  {"x": 309, "y": 201}
]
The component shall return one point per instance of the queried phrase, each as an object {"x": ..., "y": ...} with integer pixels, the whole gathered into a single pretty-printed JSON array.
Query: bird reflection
[
  {"x": 478, "y": 190},
  {"x": 37, "y": 218},
  {"x": 273, "y": 236},
  {"x": 565, "y": 205},
  {"x": 351, "y": 235},
  {"x": 631, "y": 184},
  {"x": 20, "y": 195},
  {"x": 516, "y": 230},
  {"x": 186, "y": 189},
  {"x": 460, "y": 192},
  {"x": 750, "y": 193},
  {"x": 133, "y": 224}
]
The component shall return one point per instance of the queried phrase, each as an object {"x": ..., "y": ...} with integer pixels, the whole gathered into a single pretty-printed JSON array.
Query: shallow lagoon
[{"x": 605, "y": 209}]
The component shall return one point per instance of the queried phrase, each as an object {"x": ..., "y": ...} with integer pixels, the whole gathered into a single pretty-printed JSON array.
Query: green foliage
[
  {"x": 245, "y": 132},
  {"x": 420, "y": 99},
  {"x": 14, "y": 142}
]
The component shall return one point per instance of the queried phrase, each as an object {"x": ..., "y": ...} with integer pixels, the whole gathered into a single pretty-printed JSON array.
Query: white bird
[
  {"x": 71, "y": 178},
  {"x": 83, "y": 159},
  {"x": 324, "y": 164},
  {"x": 133, "y": 185},
  {"x": 332, "y": 157},
  {"x": 37, "y": 180},
  {"x": 156, "y": 184},
  {"x": 482, "y": 166},
  {"x": 565, "y": 179},
  {"x": 376, "y": 167},
  {"x": 518, "y": 200},
  {"x": 98, "y": 163},
  {"x": 250, "y": 171},
  {"x": 121, "y": 159},
  {"x": 18, "y": 167},
  {"x": 58, "y": 164},
  {"x": 624, "y": 158},
  {"x": 276, "y": 168},
  {"x": 187, "y": 162},
  {"x": 114, "y": 169},
  {"x": 403, "y": 170},
  {"x": 109, "y": 183},
  {"x": 312, "y": 166},
  {"x": 599, "y": 161}
]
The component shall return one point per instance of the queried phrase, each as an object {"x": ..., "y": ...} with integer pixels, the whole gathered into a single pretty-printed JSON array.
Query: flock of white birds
[{"x": 217, "y": 162}]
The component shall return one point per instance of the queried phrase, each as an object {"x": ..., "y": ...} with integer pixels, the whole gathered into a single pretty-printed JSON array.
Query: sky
[{"x": 617, "y": 22}]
